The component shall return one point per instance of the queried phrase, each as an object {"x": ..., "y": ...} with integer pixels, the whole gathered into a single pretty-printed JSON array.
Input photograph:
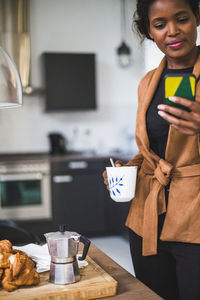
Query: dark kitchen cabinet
[
  {"x": 115, "y": 215},
  {"x": 80, "y": 198},
  {"x": 78, "y": 195}
]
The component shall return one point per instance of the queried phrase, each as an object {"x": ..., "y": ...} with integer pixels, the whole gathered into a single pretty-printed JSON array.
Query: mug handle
[{"x": 86, "y": 243}]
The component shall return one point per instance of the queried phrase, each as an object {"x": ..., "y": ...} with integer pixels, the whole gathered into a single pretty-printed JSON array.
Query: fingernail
[
  {"x": 172, "y": 98},
  {"x": 161, "y": 113},
  {"x": 160, "y": 106},
  {"x": 117, "y": 165}
]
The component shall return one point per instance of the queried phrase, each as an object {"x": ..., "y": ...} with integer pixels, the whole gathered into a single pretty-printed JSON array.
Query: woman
[{"x": 164, "y": 218}]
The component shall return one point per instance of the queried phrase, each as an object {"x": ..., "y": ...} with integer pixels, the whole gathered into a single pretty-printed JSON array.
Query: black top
[{"x": 157, "y": 127}]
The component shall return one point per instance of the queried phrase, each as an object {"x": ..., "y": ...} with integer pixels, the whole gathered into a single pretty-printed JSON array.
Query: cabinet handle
[
  {"x": 17, "y": 177},
  {"x": 78, "y": 164},
  {"x": 62, "y": 178}
]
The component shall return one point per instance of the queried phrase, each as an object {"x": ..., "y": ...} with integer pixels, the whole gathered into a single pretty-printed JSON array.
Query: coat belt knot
[
  {"x": 162, "y": 172},
  {"x": 153, "y": 205}
]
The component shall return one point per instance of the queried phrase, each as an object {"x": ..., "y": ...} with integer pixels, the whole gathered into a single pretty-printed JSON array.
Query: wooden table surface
[{"x": 129, "y": 287}]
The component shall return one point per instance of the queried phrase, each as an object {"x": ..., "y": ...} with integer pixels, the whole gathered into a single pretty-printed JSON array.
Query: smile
[{"x": 175, "y": 44}]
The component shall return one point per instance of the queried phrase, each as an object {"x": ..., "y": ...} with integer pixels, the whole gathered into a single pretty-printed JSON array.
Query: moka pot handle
[{"x": 86, "y": 243}]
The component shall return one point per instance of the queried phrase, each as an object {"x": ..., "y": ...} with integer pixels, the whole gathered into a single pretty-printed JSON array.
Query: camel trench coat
[{"x": 181, "y": 167}]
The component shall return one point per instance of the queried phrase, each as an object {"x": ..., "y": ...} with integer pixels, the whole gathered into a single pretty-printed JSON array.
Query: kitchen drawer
[{"x": 78, "y": 202}]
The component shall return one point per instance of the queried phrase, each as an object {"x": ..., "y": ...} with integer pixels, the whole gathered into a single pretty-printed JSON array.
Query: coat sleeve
[
  {"x": 136, "y": 160},
  {"x": 199, "y": 144}
]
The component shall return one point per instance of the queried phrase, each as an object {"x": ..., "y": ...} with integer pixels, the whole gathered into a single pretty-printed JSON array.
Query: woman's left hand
[{"x": 186, "y": 122}]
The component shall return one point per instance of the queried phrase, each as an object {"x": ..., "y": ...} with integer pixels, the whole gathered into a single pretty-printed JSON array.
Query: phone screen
[{"x": 183, "y": 85}]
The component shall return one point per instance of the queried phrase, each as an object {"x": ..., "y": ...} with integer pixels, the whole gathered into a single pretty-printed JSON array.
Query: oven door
[{"x": 25, "y": 196}]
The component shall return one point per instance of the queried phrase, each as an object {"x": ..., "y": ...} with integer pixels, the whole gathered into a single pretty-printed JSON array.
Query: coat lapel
[{"x": 196, "y": 70}]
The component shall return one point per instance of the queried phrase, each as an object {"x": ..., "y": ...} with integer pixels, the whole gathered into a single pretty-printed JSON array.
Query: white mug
[{"x": 122, "y": 182}]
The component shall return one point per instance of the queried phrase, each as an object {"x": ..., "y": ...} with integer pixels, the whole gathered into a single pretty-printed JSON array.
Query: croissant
[
  {"x": 6, "y": 246},
  {"x": 16, "y": 268},
  {"x": 5, "y": 259}
]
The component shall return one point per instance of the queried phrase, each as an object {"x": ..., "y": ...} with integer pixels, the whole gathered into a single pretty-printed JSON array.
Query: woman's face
[{"x": 173, "y": 27}]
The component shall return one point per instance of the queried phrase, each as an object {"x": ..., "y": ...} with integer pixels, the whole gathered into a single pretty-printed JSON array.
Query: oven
[{"x": 25, "y": 191}]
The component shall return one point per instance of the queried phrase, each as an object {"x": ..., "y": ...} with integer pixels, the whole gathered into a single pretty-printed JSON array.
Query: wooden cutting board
[{"x": 94, "y": 283}]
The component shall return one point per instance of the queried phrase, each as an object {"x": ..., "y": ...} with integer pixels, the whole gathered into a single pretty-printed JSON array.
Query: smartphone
[{"x": 181, "y": 85}]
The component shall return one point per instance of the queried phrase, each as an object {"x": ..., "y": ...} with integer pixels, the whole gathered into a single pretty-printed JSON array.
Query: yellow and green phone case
[{"x": 183, "y": 85}]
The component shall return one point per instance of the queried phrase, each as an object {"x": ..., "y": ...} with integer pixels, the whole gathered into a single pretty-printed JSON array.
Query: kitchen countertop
[
  {"x": 43, "y": 156},
  {"x": 71, "y": 155},
  {"x": 129, "y": 287}
]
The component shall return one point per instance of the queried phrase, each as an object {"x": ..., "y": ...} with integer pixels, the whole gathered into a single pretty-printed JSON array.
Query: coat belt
[{"x": 155, "y": 201}]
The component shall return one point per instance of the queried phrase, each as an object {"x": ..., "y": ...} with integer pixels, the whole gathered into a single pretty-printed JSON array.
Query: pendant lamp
[
  {"x": 123, "y": 51},
  {"x": 10, "y": 83}
]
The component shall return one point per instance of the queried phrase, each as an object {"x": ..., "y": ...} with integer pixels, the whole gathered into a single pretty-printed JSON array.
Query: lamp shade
[
  {"x": 10, "y": 83},
  {"x": 124, "y": 55}
]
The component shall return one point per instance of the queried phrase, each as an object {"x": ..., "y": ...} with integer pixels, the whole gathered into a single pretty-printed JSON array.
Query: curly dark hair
[{"x": 141, "y": 18}]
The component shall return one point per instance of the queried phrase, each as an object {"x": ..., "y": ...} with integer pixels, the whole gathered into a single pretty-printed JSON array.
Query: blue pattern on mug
[{"x": 115, "y": 185}]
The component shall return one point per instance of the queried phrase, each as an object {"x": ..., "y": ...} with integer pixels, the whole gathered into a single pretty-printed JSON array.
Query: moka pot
[{"x": 63, "y": 248}]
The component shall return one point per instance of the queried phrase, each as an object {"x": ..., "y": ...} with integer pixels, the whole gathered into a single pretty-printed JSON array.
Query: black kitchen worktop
[
  {"x": 71, "y": 155},
  {"x": 23, "y": 156},
  {"x": 48, "y": 156}
]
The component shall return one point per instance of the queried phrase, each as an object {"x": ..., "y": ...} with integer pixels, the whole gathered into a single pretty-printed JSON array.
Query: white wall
[
  {"x": 152, "y": 55},
  {"x": 78, "y": 26}
]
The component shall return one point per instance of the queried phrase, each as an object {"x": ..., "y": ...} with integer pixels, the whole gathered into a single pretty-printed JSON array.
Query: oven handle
[
  {"x": 62, "y": 178},
  {"x": 24, "y": 176}
]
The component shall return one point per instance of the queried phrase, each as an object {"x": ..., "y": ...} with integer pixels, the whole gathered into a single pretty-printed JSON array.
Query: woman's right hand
[{"x": 118, "y": 163}]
